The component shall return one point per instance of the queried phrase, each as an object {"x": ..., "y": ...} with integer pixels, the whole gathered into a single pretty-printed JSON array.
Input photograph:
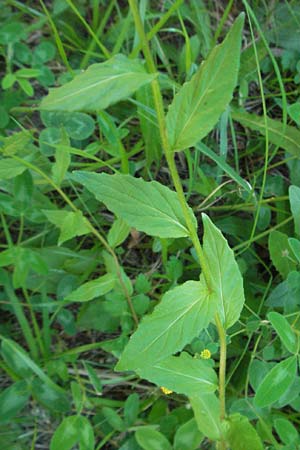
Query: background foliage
[{"x": 76, "y": 277}]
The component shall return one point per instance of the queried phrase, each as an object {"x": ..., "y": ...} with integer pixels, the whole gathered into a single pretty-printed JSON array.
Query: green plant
[{"x": 98, "y": 267}]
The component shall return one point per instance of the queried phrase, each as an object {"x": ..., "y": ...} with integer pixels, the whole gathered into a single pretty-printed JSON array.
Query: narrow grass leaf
[
  {"x": 284, "y": 331},
  {"x": 92, "y": 289},
  {"x": 276, "y": 382},
  {"x": 283, "y": 136},
  {"x": 99, "y": 86},
  {"x": 225, "y": 277},
  {"x": 182, "y": 374},
  {"x": 224, "y": 166},
  {"x": 198, "y": 105},
  {"x": 147, "y": 206},
  {"x": 182, "y": 313}
]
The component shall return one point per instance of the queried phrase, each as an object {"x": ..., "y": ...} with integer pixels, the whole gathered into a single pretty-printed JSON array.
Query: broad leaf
[
  {"x": 146, "y": 206},
  {"x": 92, "y": 289},
  {"x": 276, "y": 382},
  {"x": 188, "y": 436},
  {"x": 198, "y": 105},
  {"x": 280, "y": 253},
  {"x": 118, "y": 233},
  {"x": 284, "y": 331},
  {"x": 71, "y": 223},
  {"x": 286, "y": 431},
  {"x": 225, "y": 277},
  {"x": 182, "y": 374},
  {"x": 73, "y": 430},
  {"x": 286, "y": 137},
  {"x": 207, "y": 414},
  {"x": 99, "y": 86},
  {"x": 9, "y": 168},
  {"x": 13, "y": 399},
  {"x": 241, "y": 435},
  {"x": 294, "y": 195},
  {"x": 150, "y": 439},
  {"x": 180, "y": 316}
]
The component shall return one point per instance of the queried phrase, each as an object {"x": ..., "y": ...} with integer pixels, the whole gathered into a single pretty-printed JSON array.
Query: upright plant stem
[{"x": 169, "y": 154}]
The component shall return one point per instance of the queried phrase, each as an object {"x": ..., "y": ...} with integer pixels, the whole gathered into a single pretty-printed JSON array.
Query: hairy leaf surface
[
  {"x": 225, "y": 277},
  {"x": 147, "y": 206},
  {"x": 99, "y": 86},
  {"x": 182, "y": 313},
  {"x": 198, "y": 105}
]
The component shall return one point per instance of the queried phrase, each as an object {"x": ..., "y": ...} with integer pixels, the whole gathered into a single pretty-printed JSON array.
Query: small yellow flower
[
  {"x": 166, "y": 391},
  {"x": 205, "y": 354}
]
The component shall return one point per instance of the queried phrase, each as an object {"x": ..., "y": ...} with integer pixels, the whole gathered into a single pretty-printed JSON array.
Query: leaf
[
  {"x": 150, "y": 439},
  {"x": 284, "y": 331},
  {"x": 9, "y": 168},
  {"x": 13, "y": 399},
  {"x": 241, "y": 435},
  {"x": 286, "y": 137},
  {"x": 286, "y": 431},
  {"x": 295, "y": 246},
  {"x": 182, "y": 374},
  {"x": 118, "y": 233},
  {"x": 61, "y": 165},
  {"x": 280, "y": 253},
  {"x": 198, "y": 105},
  {"x": 147, "y": 206},
  {"x": 179, "y": 317},
  {"x": 224, "y": 166},
  {"x": 16, "y": 357},
  {"x": 225, "y": 277},
  {"x": 207, "y": 414},
  {"x": 70, "y": 223},
  {"x": 188, "y": 436},
  {"x": 276, "y": 382},
  {"x": 294, "y": 195},
  {"x": 92, "y": 289},
  {"x": 99, "y": 86},
  {"x": 148, "y": 124},
  {"x": 131, "y": 409},
  {"x": 73, "y": 430}
]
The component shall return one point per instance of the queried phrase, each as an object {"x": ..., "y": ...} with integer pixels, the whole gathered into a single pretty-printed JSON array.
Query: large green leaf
[
  {"x": 180, "y": 316},
  {"x": 92, "y": 289},
  {"x": 198, "y": 105},
  {"x": 99, "y": 86},
  {"x": 276, "y": 382},
  {"x": 225, "y": 277},
  {"x": 182, "y": 374},
  {"x": 207, "y": 414},
  {"x": 146, "y": 206},
  {"x": 294, "y": 195},
  {"x": 280, "y": 253},
  {"x": 284, "y": 331},
  {"x": 286, "y": 137},
  {"x": 150, "y": 439},
  {"x": 241, "y": 435}
]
